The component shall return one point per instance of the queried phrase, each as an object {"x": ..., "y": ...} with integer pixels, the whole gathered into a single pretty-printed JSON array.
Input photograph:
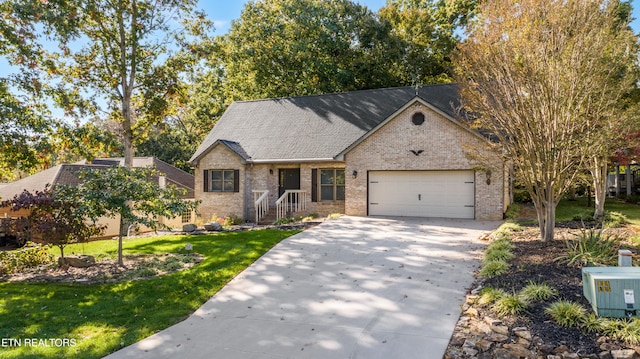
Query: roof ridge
[
  {"x": 57, "y": 174},
  {"x": 342, "y": 93}
]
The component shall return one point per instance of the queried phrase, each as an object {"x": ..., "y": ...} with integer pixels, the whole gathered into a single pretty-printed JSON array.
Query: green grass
[
  {"x": 102, "y": 318},
  {"x": 567, "y": 210}
]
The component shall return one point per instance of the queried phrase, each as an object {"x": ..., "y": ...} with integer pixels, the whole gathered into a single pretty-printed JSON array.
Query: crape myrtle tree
[
  {"x": 55, "y": 217},
  {"x": 131, "y": 54},
  {"x": 132, "y": 194},
  {"x": 542, "y": 76}
]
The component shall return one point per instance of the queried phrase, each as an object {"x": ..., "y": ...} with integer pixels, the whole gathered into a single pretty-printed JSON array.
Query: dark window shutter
[
  {"x": 236, "y": 180},
  {"x": 206, "y": 180},
  {"x": 314, "y": 185}
]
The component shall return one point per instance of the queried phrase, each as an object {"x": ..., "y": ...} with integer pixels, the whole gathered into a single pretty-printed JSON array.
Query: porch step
[{"x": 269, "y": 218}]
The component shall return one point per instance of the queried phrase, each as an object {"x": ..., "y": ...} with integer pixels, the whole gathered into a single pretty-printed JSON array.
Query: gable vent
[{"x": 417, "y": 118}]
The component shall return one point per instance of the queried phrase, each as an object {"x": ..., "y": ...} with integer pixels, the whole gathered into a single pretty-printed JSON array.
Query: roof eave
[
  {"x": 292, "y": 160},
  {"x": 194, "y": 161}
]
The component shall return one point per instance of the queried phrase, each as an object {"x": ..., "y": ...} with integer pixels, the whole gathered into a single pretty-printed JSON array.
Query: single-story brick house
[{"x": 391, "y": 152}]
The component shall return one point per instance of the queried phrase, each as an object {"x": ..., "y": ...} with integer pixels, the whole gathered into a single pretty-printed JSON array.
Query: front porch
[{"x": 292, "y": 190}]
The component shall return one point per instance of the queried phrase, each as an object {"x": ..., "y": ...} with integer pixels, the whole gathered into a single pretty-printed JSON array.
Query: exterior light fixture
[{"x": 355, "y": 174}]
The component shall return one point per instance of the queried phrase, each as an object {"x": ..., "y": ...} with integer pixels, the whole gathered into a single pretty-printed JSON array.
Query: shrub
[
  {"x": 614, "y": 220},
  {"x": 591, "y": 247},
  {"x": 586, "y": 216},
  {"x": 494, "y": 268},
  {"x": 29, "y": 256},
  {"x": 505, "y": 230},
  {"x": 489, "y": 295},
  {"x": 501, "y": 244},
  {"x": 536, "y": 292},
  {"x": 593, "y": 324},
  {"x": 625, "y": 330},
  {"x": 509, "y": 304},
  {"x": 334, "y": 216},
  {"x": 501, "y": 254},
  {"x": 566, "y": 313},
  {"x": 521, "y": 196},
  {"x": 512, "y": 211},
  {"x": 310, "y": 217},
  {"x": 142, "y": 271},
  {"x": 232, "y": 220},
  {"x": 284, "y": 220}
]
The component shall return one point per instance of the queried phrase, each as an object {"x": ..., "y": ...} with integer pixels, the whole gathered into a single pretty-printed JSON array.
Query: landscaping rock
[
  {"x": 624, "y": 354},
  {"x": 189, "y": 227},
  {"x": 522, "y": 332},
  {"x": 213, "y": 226},
  {"x": 80, "y": 261},
  {"x": 484, "y": 345},
  {"x": 500, "y": 329},
  {"x": 568, "y": 355}
]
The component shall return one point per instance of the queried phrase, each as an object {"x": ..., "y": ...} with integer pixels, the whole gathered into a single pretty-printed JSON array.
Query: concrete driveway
[{"x": 348, "y": 288}]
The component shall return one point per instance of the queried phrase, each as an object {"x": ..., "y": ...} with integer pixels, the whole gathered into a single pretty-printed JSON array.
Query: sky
[{"x": 222, "y": 12}]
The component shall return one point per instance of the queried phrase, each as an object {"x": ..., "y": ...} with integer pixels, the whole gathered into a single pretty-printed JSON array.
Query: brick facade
[
  {"x": 220, "y": 204},
  {"x": 445, "y": 146},
  {"x": 255, "y": 177}
]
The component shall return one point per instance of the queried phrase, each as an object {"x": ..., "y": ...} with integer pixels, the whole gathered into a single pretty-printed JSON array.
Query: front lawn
[
  {"x": 90, "y": 321},
  {"x": 567, "y": 210}
]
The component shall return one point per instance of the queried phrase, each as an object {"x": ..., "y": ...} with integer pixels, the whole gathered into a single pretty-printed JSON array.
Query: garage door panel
[{"x": 422, "y": 193}]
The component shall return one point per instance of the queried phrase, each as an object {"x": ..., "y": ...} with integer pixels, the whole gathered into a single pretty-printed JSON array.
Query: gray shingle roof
[{"x": 314, "y": 127}]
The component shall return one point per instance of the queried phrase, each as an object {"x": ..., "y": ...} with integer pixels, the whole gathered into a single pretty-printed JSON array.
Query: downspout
[{"x": 247, "y": 191}]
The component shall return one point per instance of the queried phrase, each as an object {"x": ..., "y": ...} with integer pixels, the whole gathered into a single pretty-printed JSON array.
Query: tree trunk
[
  {"x": 550, "y": 222},
  {"x": 545, "y": 204},
  {"x": 127, "y": 131},
  {"x": 120, "y": 262},
  {"x": 599, "y": 174},
  {"x": 628, "y": 178}
]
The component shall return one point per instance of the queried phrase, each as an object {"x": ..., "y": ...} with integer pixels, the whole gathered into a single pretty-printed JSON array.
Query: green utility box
[{"x": 612, "y": 291}]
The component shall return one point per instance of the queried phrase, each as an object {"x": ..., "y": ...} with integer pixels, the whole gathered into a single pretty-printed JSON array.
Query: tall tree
[
  {"x": 131, "y": 53},
  {"x": 614, "y": 113},
  {"x": 424, "y": 37},
  {"x": 300, "y": 47},
  {"x": 22, "y": 120},
  {"x": 540, "y": 75}
]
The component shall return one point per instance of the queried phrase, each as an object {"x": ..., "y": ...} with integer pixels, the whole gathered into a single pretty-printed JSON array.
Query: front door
[{"x": 289, "y": 179}]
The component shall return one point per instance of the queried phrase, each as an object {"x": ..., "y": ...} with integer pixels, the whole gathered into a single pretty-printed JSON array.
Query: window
[
  {"x": 221, "y": 181},
  {"x": 332, "y": 185},
  {"x": 186, "y": 216}
]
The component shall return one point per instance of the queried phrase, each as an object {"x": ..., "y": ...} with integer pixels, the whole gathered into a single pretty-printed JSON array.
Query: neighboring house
[
  {"x": 67, "y": 174},
  {"x": 386, "y": 152}
]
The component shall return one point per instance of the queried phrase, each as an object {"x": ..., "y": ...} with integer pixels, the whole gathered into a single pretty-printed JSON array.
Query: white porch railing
[
  {"x": 260, "y": 203},
  {"x": 292, "y": 200}
]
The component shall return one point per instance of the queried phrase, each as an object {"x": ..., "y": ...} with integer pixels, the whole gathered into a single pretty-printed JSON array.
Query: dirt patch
[{"x": 108, "y": 270}]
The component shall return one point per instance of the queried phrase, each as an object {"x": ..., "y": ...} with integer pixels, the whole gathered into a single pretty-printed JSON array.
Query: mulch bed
[{"x": 536, "y": 261}]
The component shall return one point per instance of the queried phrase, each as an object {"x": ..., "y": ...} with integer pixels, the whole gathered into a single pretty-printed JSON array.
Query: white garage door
[{"x": 444, "y": 194}]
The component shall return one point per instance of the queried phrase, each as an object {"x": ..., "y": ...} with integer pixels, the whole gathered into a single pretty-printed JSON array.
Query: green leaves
[{"x": 132, "y": 193}]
